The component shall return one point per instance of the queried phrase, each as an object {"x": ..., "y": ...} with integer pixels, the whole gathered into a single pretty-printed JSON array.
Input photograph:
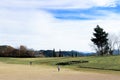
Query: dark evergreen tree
[
  {"x": 100, "y": 40},
  {"x": 60, "y": 53},
  {"x": 76, "y": 55},
  {"x": 72, "y": 54},
  {"x": 54, "y": 53}
]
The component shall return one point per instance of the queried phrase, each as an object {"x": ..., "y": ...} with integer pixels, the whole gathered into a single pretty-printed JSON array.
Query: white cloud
[
  {"x": 105, "y": 3},
  {"x": 25, "y": 22},
  {"x": 39, "y": 29},
  {"x": 62, "y": 4}
]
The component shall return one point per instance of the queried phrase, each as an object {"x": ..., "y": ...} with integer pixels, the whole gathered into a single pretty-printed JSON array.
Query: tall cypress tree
[{"x": 100, "y": 40}]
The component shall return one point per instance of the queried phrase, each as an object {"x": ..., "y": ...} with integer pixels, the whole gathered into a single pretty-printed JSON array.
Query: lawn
[{"x": 109, "y": 63}]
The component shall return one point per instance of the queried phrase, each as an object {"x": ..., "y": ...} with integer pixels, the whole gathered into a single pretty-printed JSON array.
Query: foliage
[
  {"x": 100, "y": 40},
  {"x": 8, "y": 51}
]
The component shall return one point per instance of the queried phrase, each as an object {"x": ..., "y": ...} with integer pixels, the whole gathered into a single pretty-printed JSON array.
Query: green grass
[{"x": 107, "y": 63}]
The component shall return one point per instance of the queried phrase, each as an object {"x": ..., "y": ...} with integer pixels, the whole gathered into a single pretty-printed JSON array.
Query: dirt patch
[{"x": 27, "y": 72}]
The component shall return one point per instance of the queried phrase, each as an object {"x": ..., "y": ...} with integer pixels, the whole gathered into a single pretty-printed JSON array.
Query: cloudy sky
[{"x": 59, "y": 24}]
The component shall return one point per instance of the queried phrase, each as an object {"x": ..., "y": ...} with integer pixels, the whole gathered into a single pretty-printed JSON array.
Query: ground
[{"x": 37, "y": 72}]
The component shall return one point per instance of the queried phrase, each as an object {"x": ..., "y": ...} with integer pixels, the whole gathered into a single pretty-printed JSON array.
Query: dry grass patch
[{"x": 37, "y": 72}]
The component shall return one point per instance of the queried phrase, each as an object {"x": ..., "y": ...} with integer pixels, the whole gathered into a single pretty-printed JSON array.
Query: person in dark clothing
[{"x": 30, "y": 62}]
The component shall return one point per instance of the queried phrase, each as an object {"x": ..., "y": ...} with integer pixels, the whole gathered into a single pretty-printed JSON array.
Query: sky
[{"x": 59, "y": 24}]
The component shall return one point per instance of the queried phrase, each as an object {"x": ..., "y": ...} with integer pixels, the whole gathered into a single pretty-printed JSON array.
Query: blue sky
[{"x": 59, "y": 24}]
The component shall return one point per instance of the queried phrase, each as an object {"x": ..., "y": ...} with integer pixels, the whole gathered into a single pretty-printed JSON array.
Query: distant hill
[
  {"x": 72, "y": 53},
  {"x": 9, "y": 51}
]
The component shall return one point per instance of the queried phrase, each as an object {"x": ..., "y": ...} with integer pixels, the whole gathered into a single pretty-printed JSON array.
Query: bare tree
[
  {"x": 112, "y": 40},
  {"x": 118, "y": 44},
  {"x": 94, "y": 48},
  {"x": 114, "y": 43}
]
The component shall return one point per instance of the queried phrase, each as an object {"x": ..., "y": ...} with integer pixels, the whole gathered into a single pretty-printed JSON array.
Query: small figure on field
[
  {"x": 30, "y": 62},
  {"x": 58, "y": 67}
]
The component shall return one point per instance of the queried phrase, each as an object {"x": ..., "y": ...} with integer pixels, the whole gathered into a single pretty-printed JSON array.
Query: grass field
[{"x": 109, "y": 63}]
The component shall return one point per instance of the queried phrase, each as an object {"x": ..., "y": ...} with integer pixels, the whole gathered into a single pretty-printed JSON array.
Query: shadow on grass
[
  {"x": 100, "y": 68},
  {"x": 71, "y": 62}
]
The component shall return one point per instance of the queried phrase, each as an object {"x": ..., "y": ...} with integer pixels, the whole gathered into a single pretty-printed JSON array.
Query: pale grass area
[{"x": 37, "y": 72}]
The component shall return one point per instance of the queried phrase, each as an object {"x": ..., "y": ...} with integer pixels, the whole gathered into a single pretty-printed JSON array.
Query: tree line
[
  {"x": 22, "y": 51},
  {"x": 53, "y": 53}
]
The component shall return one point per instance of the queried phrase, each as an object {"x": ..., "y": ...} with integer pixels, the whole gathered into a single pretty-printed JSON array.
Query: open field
[
  {"x": 40, "y": 72},
  {"x": 108, "y": 63}
]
